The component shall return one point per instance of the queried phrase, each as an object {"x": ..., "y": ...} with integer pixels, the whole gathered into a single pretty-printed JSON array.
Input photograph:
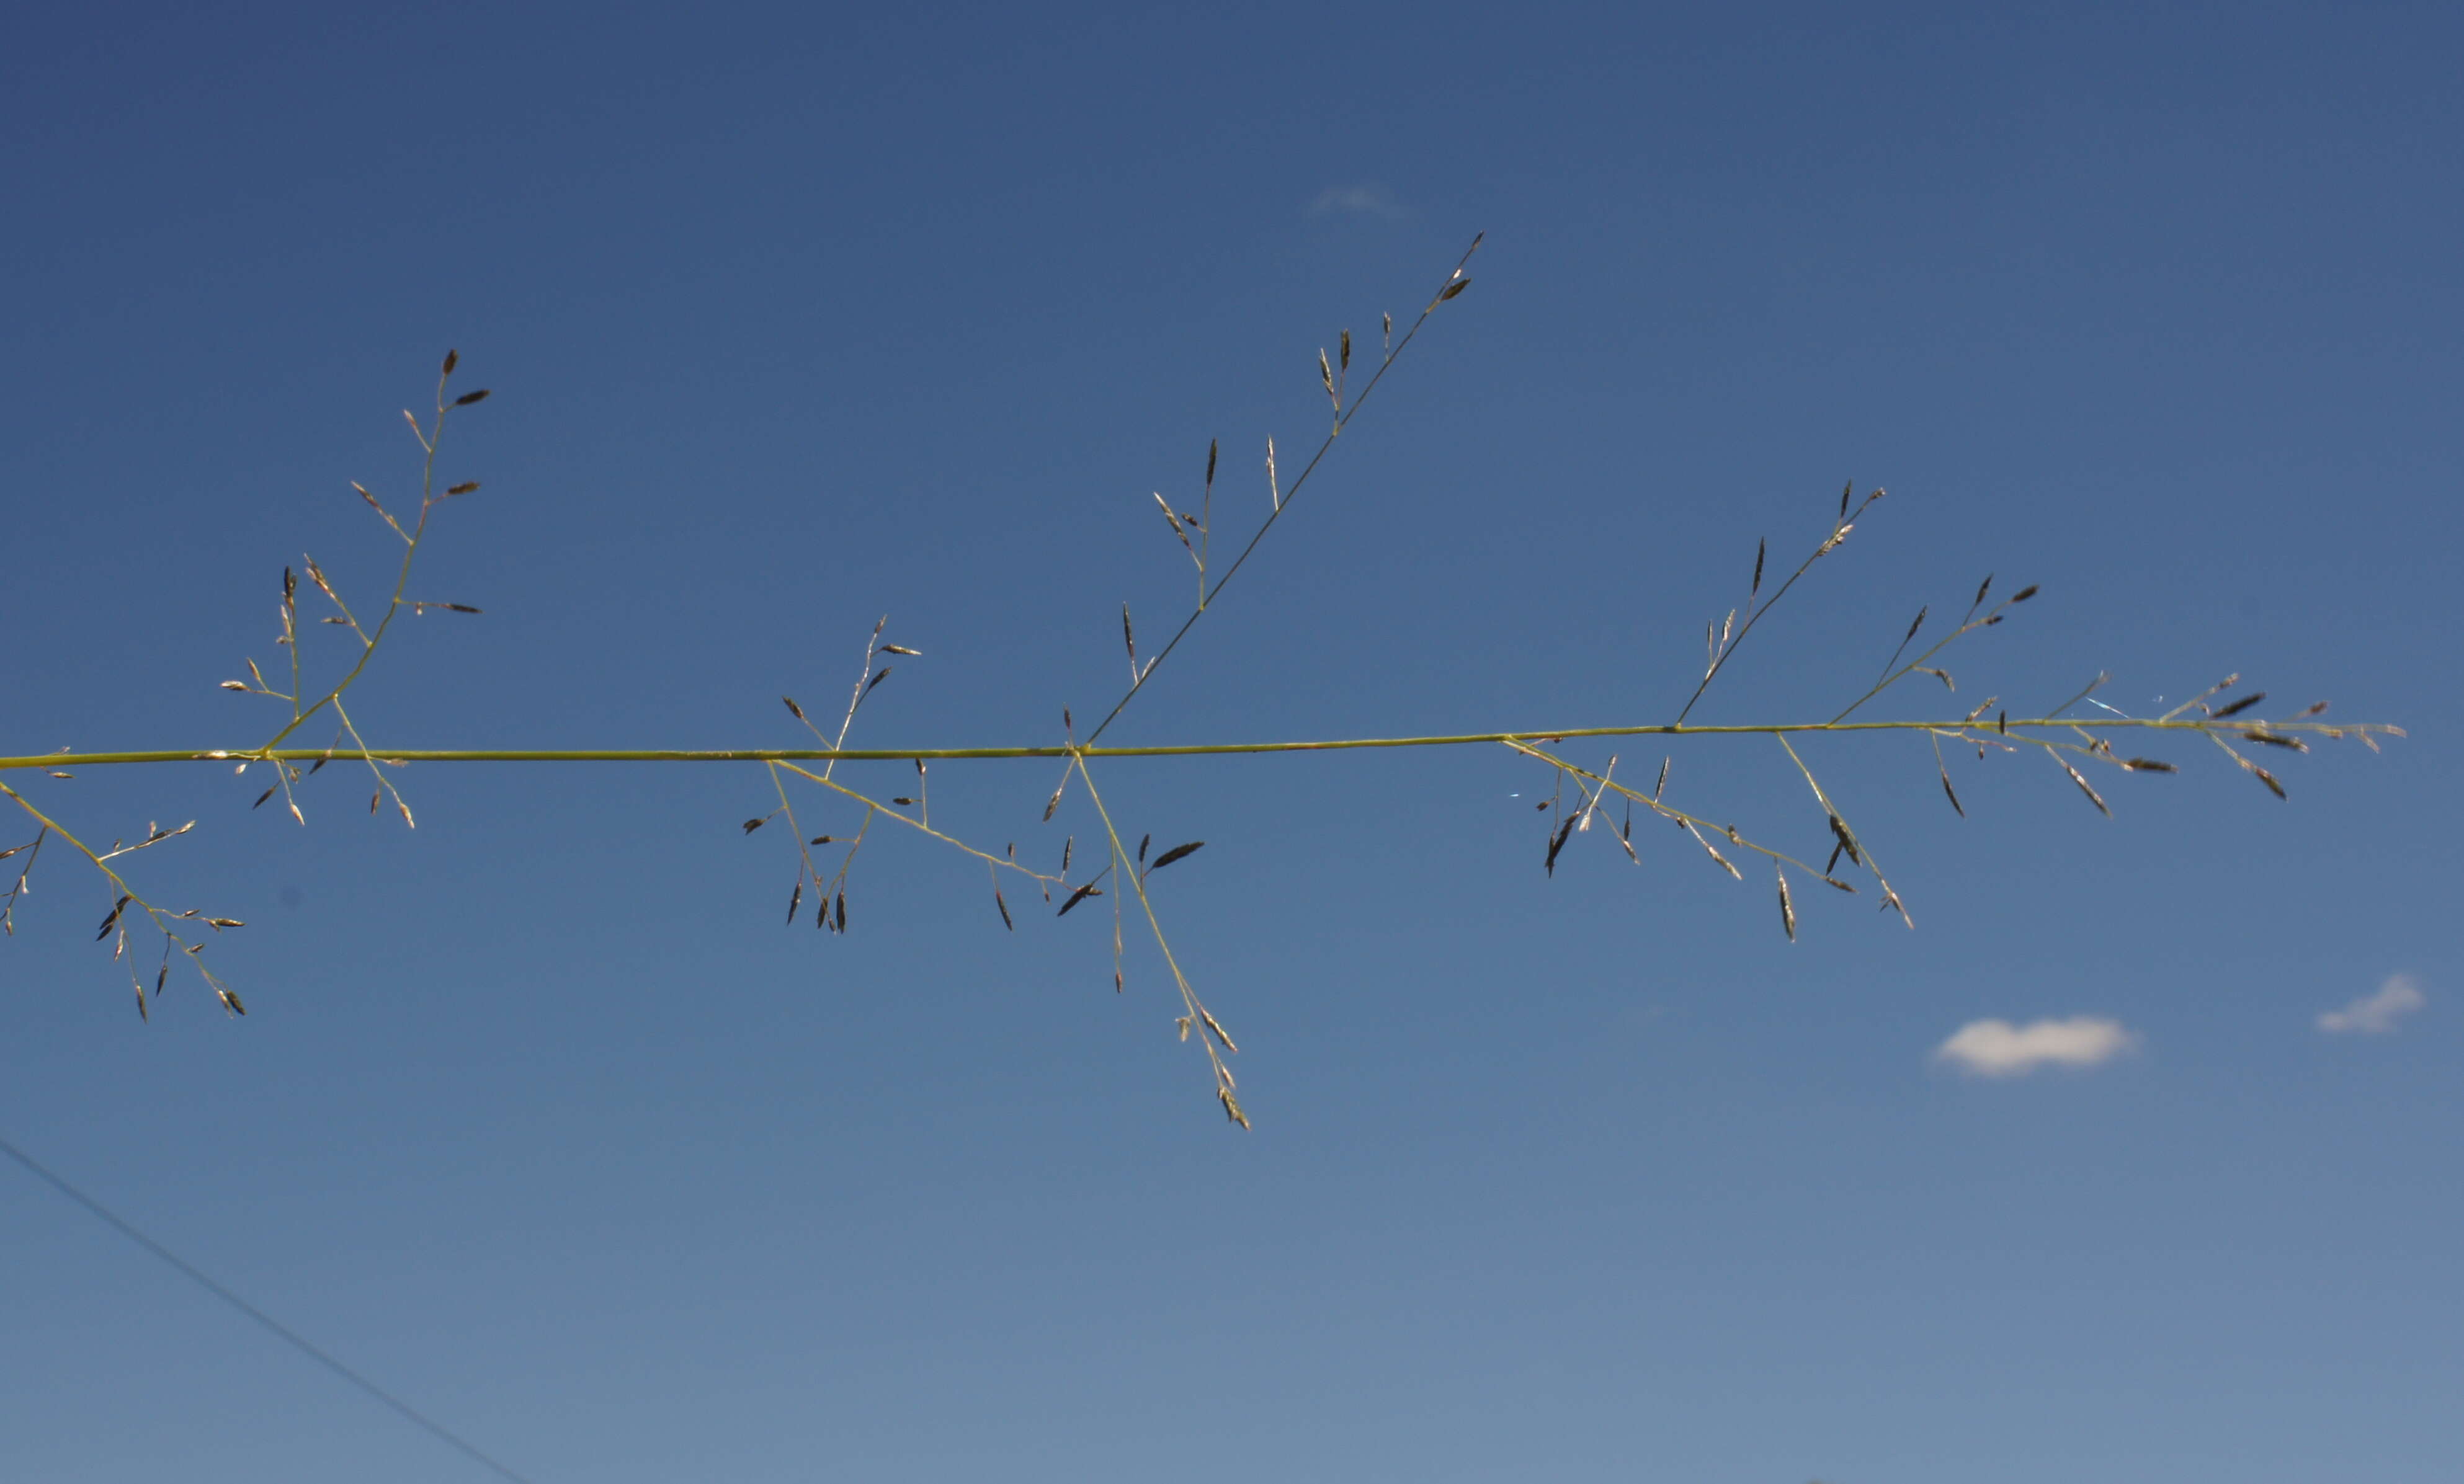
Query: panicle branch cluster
[{"x": 287, "y": 774}]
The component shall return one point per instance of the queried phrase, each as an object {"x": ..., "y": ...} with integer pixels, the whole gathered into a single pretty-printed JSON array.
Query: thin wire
[{"x": 281, "y": 1331}]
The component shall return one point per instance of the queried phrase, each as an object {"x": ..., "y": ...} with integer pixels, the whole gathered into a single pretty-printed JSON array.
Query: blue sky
[{"x": 796, "y": 317}]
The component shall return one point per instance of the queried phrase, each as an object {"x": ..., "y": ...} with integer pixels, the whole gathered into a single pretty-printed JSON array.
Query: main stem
[{"x": 52, "y": 760}]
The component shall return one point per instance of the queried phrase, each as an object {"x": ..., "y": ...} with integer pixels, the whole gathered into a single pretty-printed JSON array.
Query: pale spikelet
[
  {"x": 2093, "y": 797},
  {"x": 1722, "y": 859}
]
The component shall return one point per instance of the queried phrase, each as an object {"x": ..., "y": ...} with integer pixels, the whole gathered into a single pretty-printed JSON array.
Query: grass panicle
[{"x": 806, "y": 781}]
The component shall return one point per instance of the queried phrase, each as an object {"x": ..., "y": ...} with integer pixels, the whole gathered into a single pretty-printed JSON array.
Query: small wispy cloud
[
  {"x": 2376, "y": 1013},
  {"x": 1997, "y": 1048},
  {"x": 1356, "y": 201}
]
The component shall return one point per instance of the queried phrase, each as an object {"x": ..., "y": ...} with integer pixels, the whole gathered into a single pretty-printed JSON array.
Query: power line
[{"x": 280, "y": 1330}]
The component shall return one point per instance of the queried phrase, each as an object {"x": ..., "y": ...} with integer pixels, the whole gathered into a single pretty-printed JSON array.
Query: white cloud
[
  {"x": 2378, "y": 1012},
  {"x": 1997, "y": 1048},
  {"x": 1356, "y": 201}
]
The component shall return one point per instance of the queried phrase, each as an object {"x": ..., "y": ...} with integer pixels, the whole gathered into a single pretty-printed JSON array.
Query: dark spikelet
[
  {"x": 2312, "y": 709},
  {"x": 2024, "y": 594},
  {"x": 466, "y": 487},
  {"x": 1786, "y": 907},
  {"x": 795, "y": 900},
  {"x": 2268, "y": 778},
  {"x": 877, "y": 679},
  {"x": 1917, "y": 624},
  {"x": 1981, "y": 589},
  {"x": 904, "y": 802},
  {"x": 1144, "y": 840},
  {"x": 1090, "y": 889},
  {"x": 2148, "y": 765},
  {"x": 1557, "y": 842},
  {"x": 112, "y": 918},
  {"x": 471, "y": 398},
  {"x": 1951, "y": 793},
  {"x": 842, "y": 911},
  {"x": 2274, "y": 739},
  {"x": 1346, "y": 350},
  {"x": 1761, "y": 548},
  {"x": 1054, "y": 802},
  {"x": 1175, "y": 852},
  {"x": 1005, "y": 909},
  {"x": 1845, "y": 490},
  {"x": 1847, "y": 839},
  {"x": 750, "y": 825},
  {"x": 2084, "y": 787},
  {"x": 269, "y": 793},
  {"x": 2237, "y": 708},
  {"x": 1452, "y": 289},
  {"x": 2002, "y": 723},
  {"x": 793, "y": 709},
  {"x": 1210, "y": 463},
  {"x": 453, "y": 358}
]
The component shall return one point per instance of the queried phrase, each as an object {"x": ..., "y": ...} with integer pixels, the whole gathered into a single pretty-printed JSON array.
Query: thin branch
[
  {"x": 1727, "y": 647},
  {"x": 1209, "y": 1030},
  {"x": 1284, "y": 499}
]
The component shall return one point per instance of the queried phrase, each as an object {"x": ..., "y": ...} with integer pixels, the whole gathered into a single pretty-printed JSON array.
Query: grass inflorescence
[{"x": 1580, "y": 801}]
